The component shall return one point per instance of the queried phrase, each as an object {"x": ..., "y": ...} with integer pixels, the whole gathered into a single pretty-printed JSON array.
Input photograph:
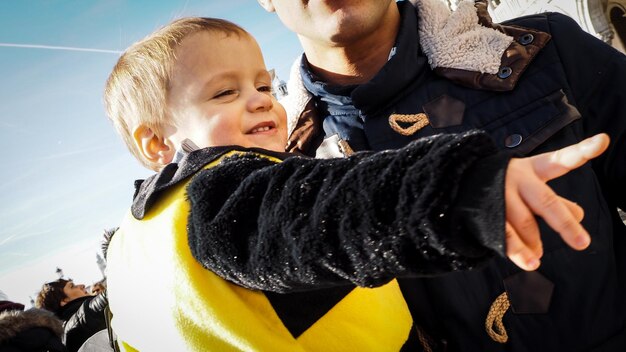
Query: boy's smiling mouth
[{"x": 263, "y": 127}]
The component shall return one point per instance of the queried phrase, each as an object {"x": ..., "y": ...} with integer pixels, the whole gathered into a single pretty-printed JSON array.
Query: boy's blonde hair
[{"x": 136, "y": 90}]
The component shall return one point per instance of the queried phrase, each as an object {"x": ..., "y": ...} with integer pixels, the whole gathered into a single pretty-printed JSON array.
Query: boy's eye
[
  {"x": 224, "y": 93},
  {"x": 265, "y": 89}
]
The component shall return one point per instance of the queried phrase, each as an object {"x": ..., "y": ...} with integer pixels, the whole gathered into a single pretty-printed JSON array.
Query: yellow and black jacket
[{"x": 244, "y": 249}]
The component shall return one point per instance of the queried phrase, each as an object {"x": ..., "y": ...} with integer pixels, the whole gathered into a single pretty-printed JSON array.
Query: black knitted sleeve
[{"x": 310, "y": 223}]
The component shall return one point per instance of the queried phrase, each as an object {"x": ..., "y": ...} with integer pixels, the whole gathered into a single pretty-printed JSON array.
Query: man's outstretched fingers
[
  {"x": 559, "y": 162},
  {"x": 557, "y": 214},
  {"x": 522, "y": 220},
  {"x": 518, "y": 252},
  {"x": 577, "y": 211}
]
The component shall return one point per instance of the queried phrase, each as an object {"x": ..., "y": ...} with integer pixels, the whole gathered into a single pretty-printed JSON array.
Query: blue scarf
[{"x": 334, "y": 104}]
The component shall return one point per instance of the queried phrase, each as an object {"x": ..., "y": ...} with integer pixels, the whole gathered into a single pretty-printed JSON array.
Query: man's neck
[{"x": 355, "y": 62}]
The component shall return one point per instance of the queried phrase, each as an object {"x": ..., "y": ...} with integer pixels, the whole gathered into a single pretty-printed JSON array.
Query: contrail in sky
[{"x": 67, "y": 48}]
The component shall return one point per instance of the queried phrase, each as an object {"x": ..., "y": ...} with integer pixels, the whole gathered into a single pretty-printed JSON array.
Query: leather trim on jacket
[
  {"x": 514, "y": 60},
  {"x": 307, "y": 134}
]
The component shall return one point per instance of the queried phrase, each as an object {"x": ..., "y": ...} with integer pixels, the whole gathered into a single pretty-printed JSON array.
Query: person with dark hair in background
[
  {"x": 82, "y": 313},
  {"x": 31, "y": 330}
]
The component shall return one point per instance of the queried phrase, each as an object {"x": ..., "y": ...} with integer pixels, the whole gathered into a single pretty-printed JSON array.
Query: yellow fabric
[{"x": 163, "y": 300}]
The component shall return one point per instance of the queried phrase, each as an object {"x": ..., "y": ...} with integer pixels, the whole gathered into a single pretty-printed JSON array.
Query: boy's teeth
[{"x": 261, "y": 129}]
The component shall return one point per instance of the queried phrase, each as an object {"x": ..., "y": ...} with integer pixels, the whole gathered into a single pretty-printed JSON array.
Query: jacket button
[
  {"x": 505, "y": 72},
  {"x": 526, "y": 39},
  {"x": 513, "y": 140}
]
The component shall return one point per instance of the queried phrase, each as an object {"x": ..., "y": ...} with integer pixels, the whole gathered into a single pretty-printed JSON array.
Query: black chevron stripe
[{"x": 298, "y": 311}]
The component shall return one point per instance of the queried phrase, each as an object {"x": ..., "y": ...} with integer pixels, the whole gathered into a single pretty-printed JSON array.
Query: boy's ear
[
  {"x": 154, "y": 148},
  {"x": 267, "y": 5}
]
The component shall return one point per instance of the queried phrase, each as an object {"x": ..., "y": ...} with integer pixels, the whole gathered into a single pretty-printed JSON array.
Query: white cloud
[{"x": 64, "y": 48}]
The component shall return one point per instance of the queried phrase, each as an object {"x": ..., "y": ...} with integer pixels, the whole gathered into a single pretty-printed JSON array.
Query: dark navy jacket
[{"x": 573, "y": 88}]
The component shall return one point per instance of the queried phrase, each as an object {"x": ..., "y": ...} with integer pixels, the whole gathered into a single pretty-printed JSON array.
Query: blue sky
[{"x": 66, "y": 175}]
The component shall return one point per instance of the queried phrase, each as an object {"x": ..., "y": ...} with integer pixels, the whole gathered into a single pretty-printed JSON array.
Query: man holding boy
[
  {"x": 199, "y": 88},
  {"x": 379, "y": 74}
]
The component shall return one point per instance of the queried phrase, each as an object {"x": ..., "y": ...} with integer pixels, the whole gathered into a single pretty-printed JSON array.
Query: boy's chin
[{"x": 277, "y": 147}]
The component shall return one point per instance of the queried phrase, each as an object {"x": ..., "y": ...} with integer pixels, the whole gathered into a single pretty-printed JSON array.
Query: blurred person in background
[
  {"x": 82, "y": 313},
  {"x": 28, "y": 330}
]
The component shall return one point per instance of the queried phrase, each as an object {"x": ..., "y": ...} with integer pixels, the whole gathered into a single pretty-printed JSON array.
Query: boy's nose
[{"x": 260, "y": 101}]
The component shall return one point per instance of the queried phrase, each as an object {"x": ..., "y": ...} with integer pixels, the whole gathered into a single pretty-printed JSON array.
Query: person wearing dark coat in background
[
  {"x": 82, "y": 314},
  {"x": 29, "y": 330}
]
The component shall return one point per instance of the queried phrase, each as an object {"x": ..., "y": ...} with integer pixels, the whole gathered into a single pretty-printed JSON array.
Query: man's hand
[{"x": 527, "y": 195}]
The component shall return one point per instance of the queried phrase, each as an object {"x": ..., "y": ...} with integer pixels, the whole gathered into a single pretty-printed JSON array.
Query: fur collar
[
  {"x": 451, "y": 40},
  {"x": 13, "y": 322},
  {"x": 148, "y": 190},
  {"x": 456, "y": 39},
  {"x": 297, "y": 97}
]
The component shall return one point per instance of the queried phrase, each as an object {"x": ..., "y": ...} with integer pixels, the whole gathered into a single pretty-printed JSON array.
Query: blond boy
[{"x": 239, "y": 246}]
